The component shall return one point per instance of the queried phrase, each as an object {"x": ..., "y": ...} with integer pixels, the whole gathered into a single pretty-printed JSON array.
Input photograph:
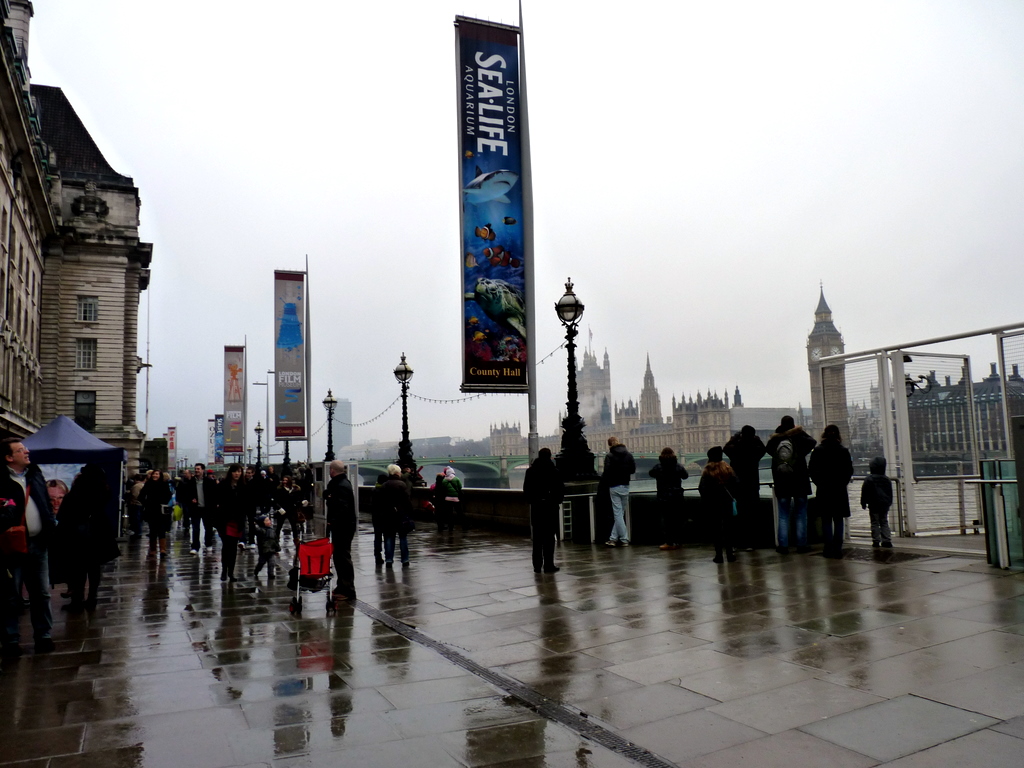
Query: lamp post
[
  {"x": 330, "y": 402},
  {"x": 575, "y": 461},
  {"x": 259, "y": 445},
  {"x": 403, "y": 373}
]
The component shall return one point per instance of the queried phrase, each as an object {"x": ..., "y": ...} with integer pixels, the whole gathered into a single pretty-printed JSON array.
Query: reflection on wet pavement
[{"x": 773, "y": 660}]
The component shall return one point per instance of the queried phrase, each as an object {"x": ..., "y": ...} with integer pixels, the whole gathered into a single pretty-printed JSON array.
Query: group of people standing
[
  {"x": 50, "y": 534},
  {"x": 730, "y": 493}
]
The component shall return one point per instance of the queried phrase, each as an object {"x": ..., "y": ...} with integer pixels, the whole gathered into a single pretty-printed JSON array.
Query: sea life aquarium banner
[{"x": 493, "y": 278}]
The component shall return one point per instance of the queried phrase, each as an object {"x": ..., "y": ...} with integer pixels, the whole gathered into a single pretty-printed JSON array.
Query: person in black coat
[
  {"x": 87, "y": 535},
  {"x": 669, "y": 474},
  {"x": 395, "y": 511},
  {"x": 718, "y": 488},
  {"x": 876, "y": 497},
  {"x": 788, "y": 447},
  {"x": 544, "y": 489},
  {"x": 23, "y": 498},
  {"x": 231, "y": 521},
  {"x": 340, "y": 504},
  {"x": 155, "y": 495},
  {"x": 831, "y": 469},
  {"x": 745, "y": 450}
]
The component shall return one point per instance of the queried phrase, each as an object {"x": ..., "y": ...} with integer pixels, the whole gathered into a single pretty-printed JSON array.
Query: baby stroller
[{"x": 311, "y": 571}]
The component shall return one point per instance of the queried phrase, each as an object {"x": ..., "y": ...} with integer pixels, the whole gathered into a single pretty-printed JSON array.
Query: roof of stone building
[{"x": 66, "y": 134}]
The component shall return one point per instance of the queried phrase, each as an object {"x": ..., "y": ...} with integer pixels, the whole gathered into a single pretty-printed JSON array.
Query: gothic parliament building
[{"x": 695, "y": 423}]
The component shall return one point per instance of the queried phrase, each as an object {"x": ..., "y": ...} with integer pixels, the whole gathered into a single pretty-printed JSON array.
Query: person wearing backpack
[{"x": 788, "y": 447}]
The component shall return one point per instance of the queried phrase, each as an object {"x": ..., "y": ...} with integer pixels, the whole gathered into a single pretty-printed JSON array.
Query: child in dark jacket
[
  {"x": 267, "y": 543},
  {"x": 876, "y": 497}
]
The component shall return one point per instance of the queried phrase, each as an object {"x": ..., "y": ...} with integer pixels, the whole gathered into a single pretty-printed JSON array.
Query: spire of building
[{"x": 823, "y": 308}]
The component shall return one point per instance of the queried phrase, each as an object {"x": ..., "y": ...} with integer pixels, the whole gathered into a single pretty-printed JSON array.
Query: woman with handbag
[
  {"x": 396, "y": 516},
  {"x": 718, "y": 488},
  {"x": 231, "y": 500}
]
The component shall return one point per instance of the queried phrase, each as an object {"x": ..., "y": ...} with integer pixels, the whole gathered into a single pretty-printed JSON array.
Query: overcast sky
[{"x": 698, "y": 167}]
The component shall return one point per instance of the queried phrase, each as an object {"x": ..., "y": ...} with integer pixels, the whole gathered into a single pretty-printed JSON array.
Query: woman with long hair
[
  {"x": 831, "y": 470},
  {"x": 669, "y": 475},
  {"x": 231, "y": 518},
  {"x": 718, "y": 488},
  {"x": 155, "y": 495}
]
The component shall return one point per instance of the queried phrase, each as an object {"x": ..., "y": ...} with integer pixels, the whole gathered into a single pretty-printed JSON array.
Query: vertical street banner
[
  {"x": 234, "y": 401},
  {"x": 218, "y": 439},
  {"x": 289, "y": 355},
  {"x": 172, "y": 447},
  {"x": 211, "y": 435},
  {"x": 494, "y": 293}
]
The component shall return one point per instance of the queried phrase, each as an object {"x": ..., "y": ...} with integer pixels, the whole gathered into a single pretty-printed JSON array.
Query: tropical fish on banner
[{"x": 490, "y": 158}]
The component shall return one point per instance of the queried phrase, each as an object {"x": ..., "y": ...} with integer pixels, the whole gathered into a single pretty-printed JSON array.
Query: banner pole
[
  {"x": 309, "y": 367},
  {"x": 532, "y": 438}
]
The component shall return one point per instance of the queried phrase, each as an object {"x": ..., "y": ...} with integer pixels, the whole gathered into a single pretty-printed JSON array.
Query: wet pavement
[{"x": 626, "y": 657}]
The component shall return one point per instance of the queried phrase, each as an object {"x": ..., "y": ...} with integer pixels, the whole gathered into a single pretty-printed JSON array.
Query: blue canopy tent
[{"x": 62, "y": 441}]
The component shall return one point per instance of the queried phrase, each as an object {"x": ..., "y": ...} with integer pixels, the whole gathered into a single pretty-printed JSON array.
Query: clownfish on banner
[{"x": 486, "y": 232}]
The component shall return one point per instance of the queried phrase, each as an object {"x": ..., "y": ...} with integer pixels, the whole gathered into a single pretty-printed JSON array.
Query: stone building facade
[
  {"x": 27, "y": 226},
  {"x": 71, "y": 262},
  {"x": 94, "y": 276}
]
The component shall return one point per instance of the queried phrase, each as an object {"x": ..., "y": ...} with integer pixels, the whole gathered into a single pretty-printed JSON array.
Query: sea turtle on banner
[{"x": 502, "y": 302}]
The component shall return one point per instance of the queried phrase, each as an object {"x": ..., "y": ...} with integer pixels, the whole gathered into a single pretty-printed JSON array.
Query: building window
[
  {"x": 88, "y": 309},
  {"x": 85, "y": 354},
  {"x": 85, "y": 410}
]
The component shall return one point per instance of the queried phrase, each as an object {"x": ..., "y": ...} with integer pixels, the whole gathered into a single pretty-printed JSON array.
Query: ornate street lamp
[
  {"x": 575, "y": 461},
  {"x": 403, "y": 373},
  {"x": 330, "y": 403},
  {"x": 258, "y": 429}
]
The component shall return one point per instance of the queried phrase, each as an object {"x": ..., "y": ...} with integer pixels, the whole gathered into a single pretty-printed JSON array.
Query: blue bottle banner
[
  {"x": 218, "y": 439},
  {"x": 234, "y": 400},
  {"x": 289, "y": 355},
  {"x": 490, "y": 159}
]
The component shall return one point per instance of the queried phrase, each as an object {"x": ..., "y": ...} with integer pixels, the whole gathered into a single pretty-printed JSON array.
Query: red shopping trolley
[{"x": 311, "y": 572}]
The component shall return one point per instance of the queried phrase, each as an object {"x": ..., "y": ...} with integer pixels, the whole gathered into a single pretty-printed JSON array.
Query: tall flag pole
[
  {"x": 533, "y": 438},
  {"x": 309, "y": 369}
]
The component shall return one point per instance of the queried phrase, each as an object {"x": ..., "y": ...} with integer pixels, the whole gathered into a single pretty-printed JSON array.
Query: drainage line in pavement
[{"x": 552, "y": 710}]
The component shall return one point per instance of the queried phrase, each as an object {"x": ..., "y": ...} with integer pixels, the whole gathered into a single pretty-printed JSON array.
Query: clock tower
[{"x": 828, "y": 402}]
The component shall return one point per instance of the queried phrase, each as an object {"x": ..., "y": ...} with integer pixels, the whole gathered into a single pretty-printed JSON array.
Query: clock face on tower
[
  {"x": 815, "y": 353},
  {"x": 835, "y": 351}
]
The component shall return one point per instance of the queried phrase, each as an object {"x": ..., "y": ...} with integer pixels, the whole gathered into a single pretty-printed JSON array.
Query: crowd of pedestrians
[
  {"x": 51, "y": 534},
  {"x": 730, "y": 494}
]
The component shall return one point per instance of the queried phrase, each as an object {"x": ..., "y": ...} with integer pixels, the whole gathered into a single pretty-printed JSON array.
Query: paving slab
[
  {"x": 897, "y": 727},
  {"x": 696, "y": 663}
]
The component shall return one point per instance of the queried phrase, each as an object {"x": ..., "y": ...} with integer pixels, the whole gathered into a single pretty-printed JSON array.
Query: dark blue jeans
[
  {"x": 800, "y": 510},
  {"x": 389, "y": 547},
  {"x": 32, "y": 570}
]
